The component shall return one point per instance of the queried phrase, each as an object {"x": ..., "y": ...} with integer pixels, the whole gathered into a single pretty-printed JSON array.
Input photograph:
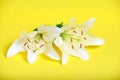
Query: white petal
[
  {"x": 93, "y": 41},
  {"x": 81, "y": 53},
  {"x": 17, "y": 46},
  {"x": 66, "y": 51},
  {"x": 58, "y": 42},
  {"x": 23, "y": 35},
  {"x": 65, "y": 58},
  {"x": 49, "y": 33},
  {"x": 72, "y": 20},
  {"x": 41, "y": 45},
  {"x": 89, "y": 23},
  {"x": 70, "y": 25},
  {"x": 31, "y": 57},
  {"x": 32, "y": 34},
  {"x": 51, "y": 52},
  {"x": 67, "y": 47}
]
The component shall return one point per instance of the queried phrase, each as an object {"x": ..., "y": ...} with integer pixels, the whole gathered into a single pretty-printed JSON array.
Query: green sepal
[
  {"x": 60, "y": 25},
  {"x": 36, "y": 29}
]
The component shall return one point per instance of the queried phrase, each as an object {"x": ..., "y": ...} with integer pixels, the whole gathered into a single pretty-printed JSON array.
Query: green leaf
[
  {"x": 36, "y": 29},
  {"x": 60, "y": 25}
]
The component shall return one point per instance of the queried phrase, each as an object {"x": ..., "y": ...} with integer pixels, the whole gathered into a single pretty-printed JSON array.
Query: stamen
[
  {"x": 85, "y": 38},
  {"x": 25, "y": 44},
  {"x": 28, "y": 47},
  {"x": 55, "y": 38},
  {"x": 81, "y": 32},
  {"x": 34, "y": 51},
  {"x": 28, "y": 40},
  {"x": 80, "y": 45},
  {"x": 74, "y": 31},
  {"x": 71, "y": 40},
  {"x": 41, "y": 45},
  {"x": 36, "y": 42},
  {"x": 72, "y": 28},
  {"x": 72, "y": 46}
]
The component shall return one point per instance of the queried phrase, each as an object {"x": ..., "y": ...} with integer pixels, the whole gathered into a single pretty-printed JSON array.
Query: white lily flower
[
  {"x": 71, "y": 39},
  {"x": 32, "y": 43},
  {"x": 50, "y": 33},
  {"x": 74, "y": 38}
]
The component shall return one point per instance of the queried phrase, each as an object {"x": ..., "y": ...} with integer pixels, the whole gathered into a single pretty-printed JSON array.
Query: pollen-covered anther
[
  {"x": 72, "y": 46},
  {"x": 34, "y": 51},
  {"x": 28, "y": 40},
  {"x": 80, "y": 45},
  {"x": 36, "y": 42},
  {"x": 75, "y": 31},
  {"x": 71, "y": 40},
  {"x": 81, "y": 32},
  {"x": 54, "y": 38},
  {"x": 28, "y": 47},
  {"x": 84, "y": 38},
  {"x": 25, "y": 43},
  {"x": 41, "y": 45}
]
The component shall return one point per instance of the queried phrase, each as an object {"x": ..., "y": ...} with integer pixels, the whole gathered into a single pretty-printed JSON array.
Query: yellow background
[{"x": 25, "y": 15}]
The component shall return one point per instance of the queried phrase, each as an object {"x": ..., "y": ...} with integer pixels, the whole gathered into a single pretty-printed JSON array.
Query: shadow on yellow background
[{"x": 25, "y": 15}]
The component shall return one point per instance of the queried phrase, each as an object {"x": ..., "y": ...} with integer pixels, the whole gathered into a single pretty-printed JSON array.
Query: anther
[
  {"x": 81, "y": 32},
  {"x": 28, "y": 40},
  {"x": 72, "y": 46},
  {"x": 36, "y": 42},
  {"x": 74, "y": 31},
  {"x": 41, "y": 45},
  {"x": 80, "y": 45},
  {"x": 28, "y": 47},
  {"x": 34, "y": 51},
  {"x": 85, "y": 38},
  {"x": 71, "y": 40},
  {"x": 55, "y": 38},
  {"x": 25, "y": 44}
]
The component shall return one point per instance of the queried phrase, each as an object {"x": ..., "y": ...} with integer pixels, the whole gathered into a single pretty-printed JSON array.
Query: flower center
[
  {"x": 38, "y": 36},
  {"x": 34, "y": 44},
  {"x": 72, "y": 37}
]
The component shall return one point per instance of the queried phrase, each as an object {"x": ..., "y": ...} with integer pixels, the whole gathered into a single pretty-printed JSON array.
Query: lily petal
[
  {"x": 64, "y": 47},
  {"x": 31, "y": 57},
  {"x": 34, "y": 49},
  {"x": 93, "y": 41},
  {"x": 88, "y": 24},
  {"x": 51, "y": 52},
  {"x": 65, "y": 58},
  {"x": 81, "y": 53},
  {"x": 72, "y": 20},
  {"x": 41, "y": 46},
  {"x": 49, "y": 32},
  {"x": 32, "y": 34},
  {"x": 71, "y": 24},
  {"x": 65, "y": 52},
  {"x": 58, "y": 41},
  {"x": 17, "y": 46}
]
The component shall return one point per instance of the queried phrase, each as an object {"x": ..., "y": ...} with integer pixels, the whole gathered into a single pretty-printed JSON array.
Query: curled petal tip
[
  {"x": 53, "y": 56},
  {"x": 92, "y": 19},
  {"x": 100, "y": 42},
  {"x": 72, "y": 20},
  {"x": 8, "y": 56},
  {"x": 31, "y": 58},
  {"x": 65, "y": 58},
  {"x": 86, "y": 58},
  {"x": 58, "y": 58},
  {"x": 64, "y": 62}
]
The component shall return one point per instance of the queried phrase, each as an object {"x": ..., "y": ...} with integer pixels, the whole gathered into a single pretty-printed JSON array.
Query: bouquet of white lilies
[{"x": 71, "y": 39}]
